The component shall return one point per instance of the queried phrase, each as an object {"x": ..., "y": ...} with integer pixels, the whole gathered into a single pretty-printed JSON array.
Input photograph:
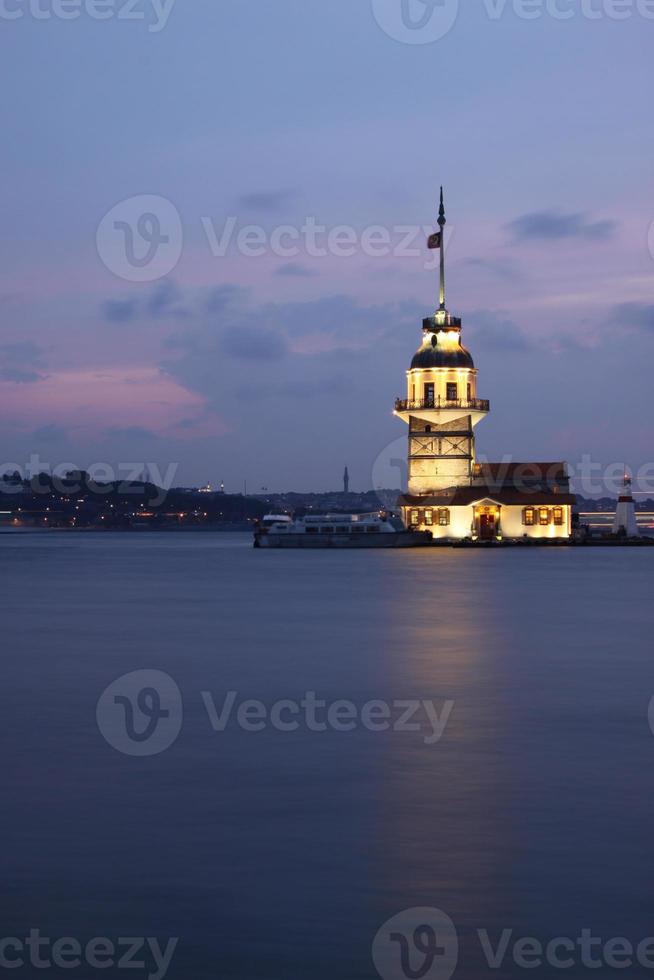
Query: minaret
[
  {"x": 441, "y": 408},
  {"x": 346, "y": 481},
  {"x": 625, "y": 514}
]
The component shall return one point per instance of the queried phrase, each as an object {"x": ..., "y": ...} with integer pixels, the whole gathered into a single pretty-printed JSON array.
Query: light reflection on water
[{"x": 280, "y": 855}]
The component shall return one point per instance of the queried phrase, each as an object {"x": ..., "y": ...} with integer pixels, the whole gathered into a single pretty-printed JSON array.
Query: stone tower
[{"x": 441, "y": 407}]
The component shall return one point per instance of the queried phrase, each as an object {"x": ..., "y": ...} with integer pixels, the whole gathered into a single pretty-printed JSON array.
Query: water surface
[{"x": 279, "y": 855}]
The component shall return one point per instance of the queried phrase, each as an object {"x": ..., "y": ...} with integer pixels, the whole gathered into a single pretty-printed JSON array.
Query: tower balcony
[
  {"x": 434, "y": 404},
  {"x": 441, "y": 410}
]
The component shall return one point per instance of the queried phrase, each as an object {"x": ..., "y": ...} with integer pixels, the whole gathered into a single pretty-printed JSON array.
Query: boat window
[
  {"x": 373, "y": 530},
  {"x": 326, "y": 530},
  {"x": 312, "y": 530}
]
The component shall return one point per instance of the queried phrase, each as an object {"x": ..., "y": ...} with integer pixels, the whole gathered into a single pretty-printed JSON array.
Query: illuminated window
[
  {"x": 415, "y": 517},
  {"x": 452, "y": 391},
  {"x": 444, "y": 517},
  {"x": 543, "y": 516},
  {"x": 558, "y": 516},
  {"x": 529, "y": 516},
  {"x": 429, "y": 517}
]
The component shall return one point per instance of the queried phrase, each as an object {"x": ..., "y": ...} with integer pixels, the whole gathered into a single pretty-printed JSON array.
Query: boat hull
[{"x": 402, "y": 539}]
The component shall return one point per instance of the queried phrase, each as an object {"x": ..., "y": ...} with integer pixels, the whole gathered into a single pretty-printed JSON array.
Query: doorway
[
  {"x": 486, "y": 527},
  {"x": 487, "y": 522}
]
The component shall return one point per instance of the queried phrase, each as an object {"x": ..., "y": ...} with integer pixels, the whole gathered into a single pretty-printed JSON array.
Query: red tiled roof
[{"x": 463, "y": 496}]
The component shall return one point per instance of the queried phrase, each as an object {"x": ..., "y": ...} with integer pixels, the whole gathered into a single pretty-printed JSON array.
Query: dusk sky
[{"x": 279, "y": 368}]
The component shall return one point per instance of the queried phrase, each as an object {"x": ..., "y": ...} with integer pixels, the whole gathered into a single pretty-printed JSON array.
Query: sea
[{"x": 297, "y": 765}]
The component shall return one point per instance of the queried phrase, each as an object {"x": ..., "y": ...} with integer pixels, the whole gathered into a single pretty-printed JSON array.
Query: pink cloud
[{"x": 86, "y": 402}]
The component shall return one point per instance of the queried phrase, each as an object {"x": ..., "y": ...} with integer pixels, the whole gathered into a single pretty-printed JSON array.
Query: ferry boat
[{"x": 378, "y": 530}]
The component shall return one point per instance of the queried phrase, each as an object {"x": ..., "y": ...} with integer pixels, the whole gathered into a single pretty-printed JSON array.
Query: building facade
[{"x": 449, "y": 492}]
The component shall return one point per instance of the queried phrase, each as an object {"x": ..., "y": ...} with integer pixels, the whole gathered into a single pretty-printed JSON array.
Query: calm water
[{"x": 278, "y": 854}]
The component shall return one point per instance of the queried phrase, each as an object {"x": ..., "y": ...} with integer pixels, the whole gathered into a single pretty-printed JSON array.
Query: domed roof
[{"x": 442, "y": 357}]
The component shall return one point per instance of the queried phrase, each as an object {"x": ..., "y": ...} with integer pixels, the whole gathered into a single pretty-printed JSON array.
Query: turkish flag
[{"x": 435, "y": 240}]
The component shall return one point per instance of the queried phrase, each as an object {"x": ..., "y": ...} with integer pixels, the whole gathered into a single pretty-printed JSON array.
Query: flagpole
[{"x": 442, "y": 222}]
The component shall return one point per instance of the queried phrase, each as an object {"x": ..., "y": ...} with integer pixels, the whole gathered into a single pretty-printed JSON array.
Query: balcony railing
[{"x": 471, "y": 404}]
